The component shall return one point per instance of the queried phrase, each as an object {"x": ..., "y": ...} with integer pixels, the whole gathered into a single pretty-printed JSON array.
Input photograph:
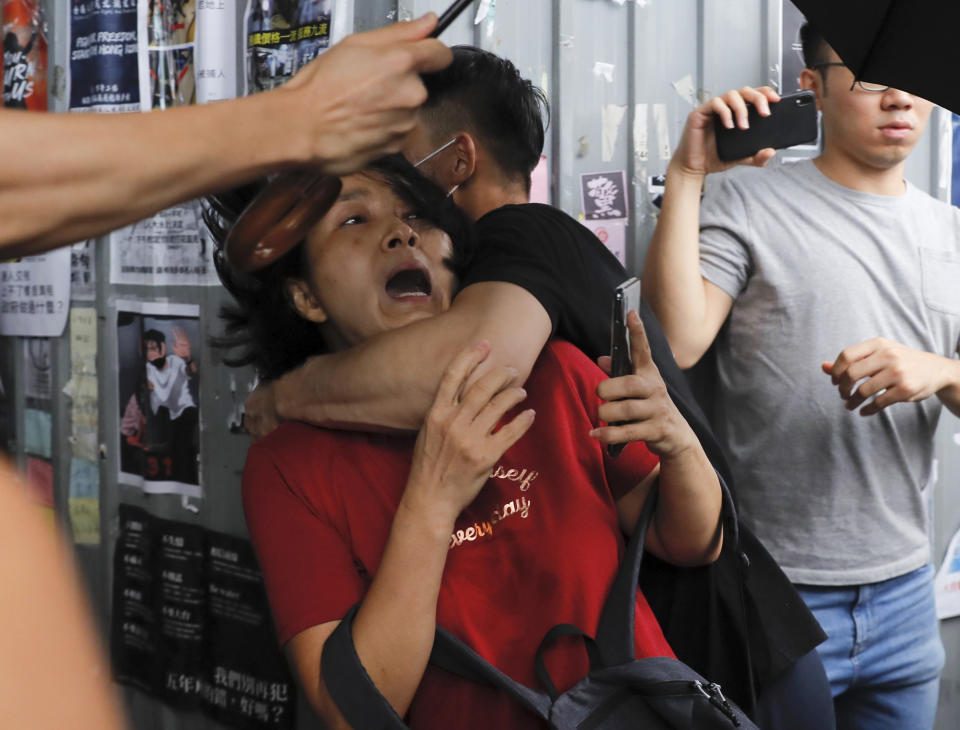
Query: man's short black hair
[
  {"x": 486, "y": 96},
  {"x": 154, "y": 336},
  {"x": 814, "y": 46}
]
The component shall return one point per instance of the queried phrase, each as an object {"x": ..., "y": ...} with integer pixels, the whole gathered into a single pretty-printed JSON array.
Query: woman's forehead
[{"x": 362, "y": 185}]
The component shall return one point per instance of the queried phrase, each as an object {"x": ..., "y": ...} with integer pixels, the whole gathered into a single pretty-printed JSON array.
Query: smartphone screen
[{"x": 625, "y": 298}]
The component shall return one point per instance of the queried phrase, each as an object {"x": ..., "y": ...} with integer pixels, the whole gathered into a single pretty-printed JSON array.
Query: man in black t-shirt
[{"x": 539, "y": 273}]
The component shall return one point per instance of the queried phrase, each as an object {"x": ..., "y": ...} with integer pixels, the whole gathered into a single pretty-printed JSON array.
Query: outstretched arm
[
  {"x": 690, "y": 308},
  {"x": 389, "y": 380},
  {"x": 53, "y": 672},
  {"x": 456, "y": 448},
  {"x": 68, "y": 177}
]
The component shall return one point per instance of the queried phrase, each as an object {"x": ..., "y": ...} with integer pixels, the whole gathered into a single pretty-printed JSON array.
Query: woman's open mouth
[{"x": 410, "y": 281}]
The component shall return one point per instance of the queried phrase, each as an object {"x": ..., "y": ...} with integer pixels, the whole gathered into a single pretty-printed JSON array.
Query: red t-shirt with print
[{"x": 540, "y": 545}]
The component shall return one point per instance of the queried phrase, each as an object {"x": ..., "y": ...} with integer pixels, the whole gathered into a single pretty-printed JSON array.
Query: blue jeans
[{"x": 883, "y": 654}]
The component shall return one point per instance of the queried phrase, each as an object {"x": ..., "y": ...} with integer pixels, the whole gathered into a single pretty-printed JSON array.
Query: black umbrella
[{"x": 911, "y": 45}]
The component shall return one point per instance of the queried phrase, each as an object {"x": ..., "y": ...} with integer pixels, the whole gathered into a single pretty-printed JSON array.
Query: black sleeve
[
  {"x": 511, "y": 249},
  {"x": 559, "y": 262}
]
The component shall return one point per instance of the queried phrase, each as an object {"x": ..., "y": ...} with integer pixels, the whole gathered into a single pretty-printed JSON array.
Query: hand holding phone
[
  {"x": 792, "y": 121},
  {"x": 626, "y": 297}
]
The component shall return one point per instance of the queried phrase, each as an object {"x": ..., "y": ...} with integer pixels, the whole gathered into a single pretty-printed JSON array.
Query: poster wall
[
  {"x": 158, "y": 350},
  {"x": 191, "y": 624}
]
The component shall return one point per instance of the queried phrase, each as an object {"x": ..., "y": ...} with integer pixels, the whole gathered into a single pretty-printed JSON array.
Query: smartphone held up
[
  {"x": 625, "y": 298},
  {"x": 792, "y": 121}
]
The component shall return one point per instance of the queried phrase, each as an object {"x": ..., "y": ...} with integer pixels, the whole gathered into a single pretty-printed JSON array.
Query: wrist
[
  {"x": 682, "y": 175},
  {"x": 296, "y": 145},
  {"x": 432, "y": 518},
  {"x": 951, "y": 377}
]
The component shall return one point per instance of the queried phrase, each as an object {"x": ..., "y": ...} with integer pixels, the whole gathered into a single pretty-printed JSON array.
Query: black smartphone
[
  {"x": 792, "y": 120},
  {"x": 626, "y": 297}
]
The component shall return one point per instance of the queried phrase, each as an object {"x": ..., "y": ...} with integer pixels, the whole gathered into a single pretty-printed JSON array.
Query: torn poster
[{"x": 82, "y": 387}]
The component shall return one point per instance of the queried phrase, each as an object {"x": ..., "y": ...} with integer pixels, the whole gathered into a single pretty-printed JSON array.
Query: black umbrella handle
[{"x": 449, "y": 15}]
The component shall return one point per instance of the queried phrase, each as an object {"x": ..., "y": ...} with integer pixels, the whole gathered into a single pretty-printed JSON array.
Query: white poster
[
  {"x": 171, "y": 249},
  {"x": 35, "y": 295},
  {"x": 946, "y": 585},
  {"x": 612, "y": 234},
  {"x": 158, "y": 389},
  {"x": 216, "y": 54}
]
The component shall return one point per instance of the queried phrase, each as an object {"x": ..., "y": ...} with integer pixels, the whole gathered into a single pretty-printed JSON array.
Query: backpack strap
[
  {"x": 615, "y": 634},
  {"x": 552, "y": 635},
  {"x": 362, "y": 704},
  {"x": 455, "y": 656},
  {"x": 348, "y": 683}
]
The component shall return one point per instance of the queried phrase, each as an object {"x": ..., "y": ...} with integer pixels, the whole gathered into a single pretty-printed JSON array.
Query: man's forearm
[
  {"x": 70, "y": 176},
  {"x": 672, "y": 283},
  {"x": 390, "y": 380}
]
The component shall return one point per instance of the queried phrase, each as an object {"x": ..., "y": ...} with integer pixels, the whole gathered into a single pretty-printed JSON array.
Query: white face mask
[{"x": 436, "y": 152}]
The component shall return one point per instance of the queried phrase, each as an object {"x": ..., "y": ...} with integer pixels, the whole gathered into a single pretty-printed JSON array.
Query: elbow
[
  {"x": 689, "y": 556},
  {"x": 687, "y": 354}
]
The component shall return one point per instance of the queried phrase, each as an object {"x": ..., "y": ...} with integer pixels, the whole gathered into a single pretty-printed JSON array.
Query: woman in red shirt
[{"x": 500, "y": 519}]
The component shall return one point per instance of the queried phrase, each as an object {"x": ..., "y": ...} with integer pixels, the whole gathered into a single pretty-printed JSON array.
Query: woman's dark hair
[{"x": 263, "y": 328}]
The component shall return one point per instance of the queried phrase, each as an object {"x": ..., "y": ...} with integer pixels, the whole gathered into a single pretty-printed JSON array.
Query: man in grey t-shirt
[{"x": 825, "y": 275}]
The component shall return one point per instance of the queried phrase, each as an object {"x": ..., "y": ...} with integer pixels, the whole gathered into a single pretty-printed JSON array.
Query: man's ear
[
  {"x": 304, "y": 301},
  {"x": 464, "y": 159},
  {"x": 812, "y": 81}
]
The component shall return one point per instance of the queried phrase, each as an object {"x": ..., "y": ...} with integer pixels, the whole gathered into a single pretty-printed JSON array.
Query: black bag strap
[
  {"x": 350, "y": 686},
  {"x": 615, "y": 634},
  {"x": 362, "y": 704},
  {"x": 552, "y": 635}
]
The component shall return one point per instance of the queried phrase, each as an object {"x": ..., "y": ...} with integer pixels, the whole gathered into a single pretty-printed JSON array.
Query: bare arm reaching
[
  {"x": 72, "y": 176},
  {"x": 352, "y": 389},
  {"x": 690, "y": 308},
  {"x": 394, "y": 629},
  {"x": 53, "y": 672}
]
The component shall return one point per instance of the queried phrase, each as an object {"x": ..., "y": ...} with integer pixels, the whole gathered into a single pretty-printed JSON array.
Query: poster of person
[
  {"x": 104, "y": 57},
  {"x": 282, "y": 37},
  {"x": 158, "y": 388}
]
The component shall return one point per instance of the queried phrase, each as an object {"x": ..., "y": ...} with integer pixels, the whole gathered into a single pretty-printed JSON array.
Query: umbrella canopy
[{"x": 913, "y": 45}]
